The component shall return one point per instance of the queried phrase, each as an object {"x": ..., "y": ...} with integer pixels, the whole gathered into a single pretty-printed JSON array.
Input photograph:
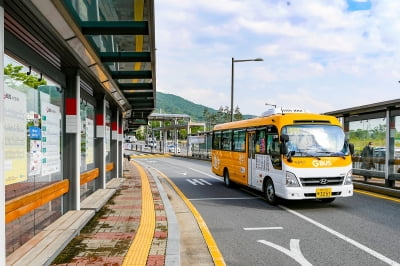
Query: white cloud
[{"x": 316, "y": 51}]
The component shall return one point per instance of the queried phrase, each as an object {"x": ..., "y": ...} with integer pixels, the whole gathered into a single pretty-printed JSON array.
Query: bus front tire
[
  {"x": 269, "y": 192},
  {"x": 227, "y": 181}
]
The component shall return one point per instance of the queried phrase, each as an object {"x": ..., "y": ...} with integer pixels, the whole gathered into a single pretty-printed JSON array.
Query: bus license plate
[{"x": 323, "y": 192}]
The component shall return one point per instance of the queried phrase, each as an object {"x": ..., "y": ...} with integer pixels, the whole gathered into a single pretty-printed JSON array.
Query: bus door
[{"x": 251, "y": 158}]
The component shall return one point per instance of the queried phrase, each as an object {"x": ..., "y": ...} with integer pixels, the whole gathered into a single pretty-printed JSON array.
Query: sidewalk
[
  {"x": 145, "y": 223},
  {"x": 131, "y": 229}
]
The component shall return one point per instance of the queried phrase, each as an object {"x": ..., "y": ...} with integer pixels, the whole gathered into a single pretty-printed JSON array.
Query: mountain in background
[{"x": 172, "y": 104}]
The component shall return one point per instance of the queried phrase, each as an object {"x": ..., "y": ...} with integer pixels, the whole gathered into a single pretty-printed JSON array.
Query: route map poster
[
  {"x": 15, "y": 136},
  {"x": 89, "y": 141},
  {"x": 35, "y": 164},
  {"x": 51, "y": 154}
]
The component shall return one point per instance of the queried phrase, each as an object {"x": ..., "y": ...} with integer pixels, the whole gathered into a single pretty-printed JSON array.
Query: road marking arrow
[{"x": 294, "y": 252}]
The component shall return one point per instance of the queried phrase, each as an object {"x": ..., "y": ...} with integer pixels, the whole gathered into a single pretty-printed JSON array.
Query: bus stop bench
[
  {"x": 115, "y": 183},
  {"x": 97, "y": 199},
  {"x": 44, "y": 247}
]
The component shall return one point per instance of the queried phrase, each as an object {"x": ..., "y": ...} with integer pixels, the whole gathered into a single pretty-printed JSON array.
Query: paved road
[{"x": 361, "y": 230}]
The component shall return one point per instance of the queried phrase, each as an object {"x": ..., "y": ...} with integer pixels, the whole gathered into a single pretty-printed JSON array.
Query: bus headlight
[
  {"x": 291, "y": 180},
  {"x": 348, "y": 179}
]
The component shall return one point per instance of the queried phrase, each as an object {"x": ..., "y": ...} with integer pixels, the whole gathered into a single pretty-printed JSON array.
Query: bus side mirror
[
  {"x": 283, "y": 147},
  {"x": 351, "y": 148},
  {"x": 284, "y": 138}
]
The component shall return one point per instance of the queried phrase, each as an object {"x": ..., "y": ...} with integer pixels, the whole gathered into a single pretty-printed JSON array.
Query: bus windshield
[{"x": 316, "y": 140}]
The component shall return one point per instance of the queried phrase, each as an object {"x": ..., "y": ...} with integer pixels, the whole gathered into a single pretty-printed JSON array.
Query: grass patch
[
  {"x": 70, "y": 251},
  {"x": 93, "y": 223}
]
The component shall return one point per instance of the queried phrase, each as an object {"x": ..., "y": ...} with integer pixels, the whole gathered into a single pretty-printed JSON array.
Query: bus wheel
[
  {"x": 327, "y": 200},
  {"x": 227, "y": 181},
  {"x": 269, "y": 192}
]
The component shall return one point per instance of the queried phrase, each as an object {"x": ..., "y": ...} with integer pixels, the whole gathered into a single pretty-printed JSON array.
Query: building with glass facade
[{"x": 77, "y": 74}]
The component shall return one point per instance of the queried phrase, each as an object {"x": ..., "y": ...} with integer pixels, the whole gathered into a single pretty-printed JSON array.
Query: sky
[{"x": 320, "y": 55}]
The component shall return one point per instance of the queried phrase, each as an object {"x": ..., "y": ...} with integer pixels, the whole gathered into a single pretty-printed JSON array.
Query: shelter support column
[
  {"x": 2, "y": 183},
  {"x": 115, "y": 150},
  {"x": 189, "y": 133},
  {"x": 164, "y": 140},
  {"x": 390, "y": 147},
  {"x": 120, "y": 147},
  {"x": 175, "y": 135},
  {"x": 99, "y": 144},
  {"x": 72, "y": 139}
]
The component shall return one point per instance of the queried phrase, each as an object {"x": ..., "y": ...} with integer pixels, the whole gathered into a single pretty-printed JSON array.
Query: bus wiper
[
  {"x": 308, "y": 154},
  {"x": 333, "y": 153},
  {"x": 289, "y": 155}
]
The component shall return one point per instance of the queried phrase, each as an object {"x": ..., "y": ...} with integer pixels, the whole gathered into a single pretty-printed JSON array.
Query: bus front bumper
[{"x": 297, "y": 193}]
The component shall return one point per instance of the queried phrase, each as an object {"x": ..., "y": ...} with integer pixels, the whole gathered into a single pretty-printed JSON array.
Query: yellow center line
[
  {"x": 377, "y": 195},
  {"x": 140, "y": 246},
  {"x": 211, "y": 244}
]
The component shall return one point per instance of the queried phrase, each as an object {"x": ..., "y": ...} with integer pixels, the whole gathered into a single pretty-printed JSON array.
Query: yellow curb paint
[
  {"x": 211, "y": 244},
  {"x": 376, "y": 195},
  {"x": 140, "y": 247},
  {"x": 149, "y": 155}
]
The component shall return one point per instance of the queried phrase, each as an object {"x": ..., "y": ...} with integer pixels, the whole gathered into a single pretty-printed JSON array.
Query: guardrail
[{"x": 379, "y": 168}]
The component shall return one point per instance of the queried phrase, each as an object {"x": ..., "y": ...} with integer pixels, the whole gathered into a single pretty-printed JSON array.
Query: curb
[
  {"x": 377, "y": 189},
  {"x": 172, "y": 256}
]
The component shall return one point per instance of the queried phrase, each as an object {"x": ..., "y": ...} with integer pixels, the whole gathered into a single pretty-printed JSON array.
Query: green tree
[
  {"x": 237, "y": 115},
  {"x": 210, "y": 119},
  {"x": 223, "y": 115},
  {"x": 16, "y": 74}
]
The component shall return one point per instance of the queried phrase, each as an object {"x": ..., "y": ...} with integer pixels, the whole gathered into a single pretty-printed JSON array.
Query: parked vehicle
[
  {"x": 130, "y": 139},
  {"x": 380, "y": 152},
  {"x": 171, "y": 148},
  {"x": 151, "y": 143}
]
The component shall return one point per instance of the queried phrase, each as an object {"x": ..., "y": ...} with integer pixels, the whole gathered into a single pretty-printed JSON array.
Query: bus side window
[
  {"x": 272, "y": 145},
  {"x": 260, "y": 141},
  {"x": 227, "y": 140},
  {"x": 273, "y": 150},
  {"x": 239, "y": 139},
  {"x": 216, "y": 141}
]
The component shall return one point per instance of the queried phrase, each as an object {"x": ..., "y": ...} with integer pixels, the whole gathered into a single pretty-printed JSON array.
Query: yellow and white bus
[{"x": 285, "y": 153}]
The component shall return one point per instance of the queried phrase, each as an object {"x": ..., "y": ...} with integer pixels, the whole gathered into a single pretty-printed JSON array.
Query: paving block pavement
[{"x": 108, "y": 237}]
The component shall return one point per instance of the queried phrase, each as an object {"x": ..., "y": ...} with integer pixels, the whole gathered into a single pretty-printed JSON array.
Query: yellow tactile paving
[
  {"x": 140, "y": 246},
  {"x": 211, "y": 244},
  {"x": 148, "y": 155}
]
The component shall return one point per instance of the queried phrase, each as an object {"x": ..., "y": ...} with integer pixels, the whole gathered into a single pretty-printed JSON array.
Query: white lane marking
[
  {"x": 246, "y": 198},
  {"x": 204, "y": 181},
  {"x": 203, "y": 173},
  {"x": 294, "y": 252},
  {"x": 198, "y": 181},
  {"x": 345, "y": 238},
  {"x": 195, "y": 182},
  {"x": 262, "y": 228}
]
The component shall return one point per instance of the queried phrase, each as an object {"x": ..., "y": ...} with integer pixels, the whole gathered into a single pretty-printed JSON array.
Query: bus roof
[{"x": 280, "y": 120}]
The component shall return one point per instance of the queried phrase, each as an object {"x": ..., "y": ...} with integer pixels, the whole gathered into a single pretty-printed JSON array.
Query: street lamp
[{"x": 232, "y": 76}]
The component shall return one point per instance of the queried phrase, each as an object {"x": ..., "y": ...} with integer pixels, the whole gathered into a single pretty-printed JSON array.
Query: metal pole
[
  {"x": 232, "y": 78},
  {"x": 232, "y": 75}
]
